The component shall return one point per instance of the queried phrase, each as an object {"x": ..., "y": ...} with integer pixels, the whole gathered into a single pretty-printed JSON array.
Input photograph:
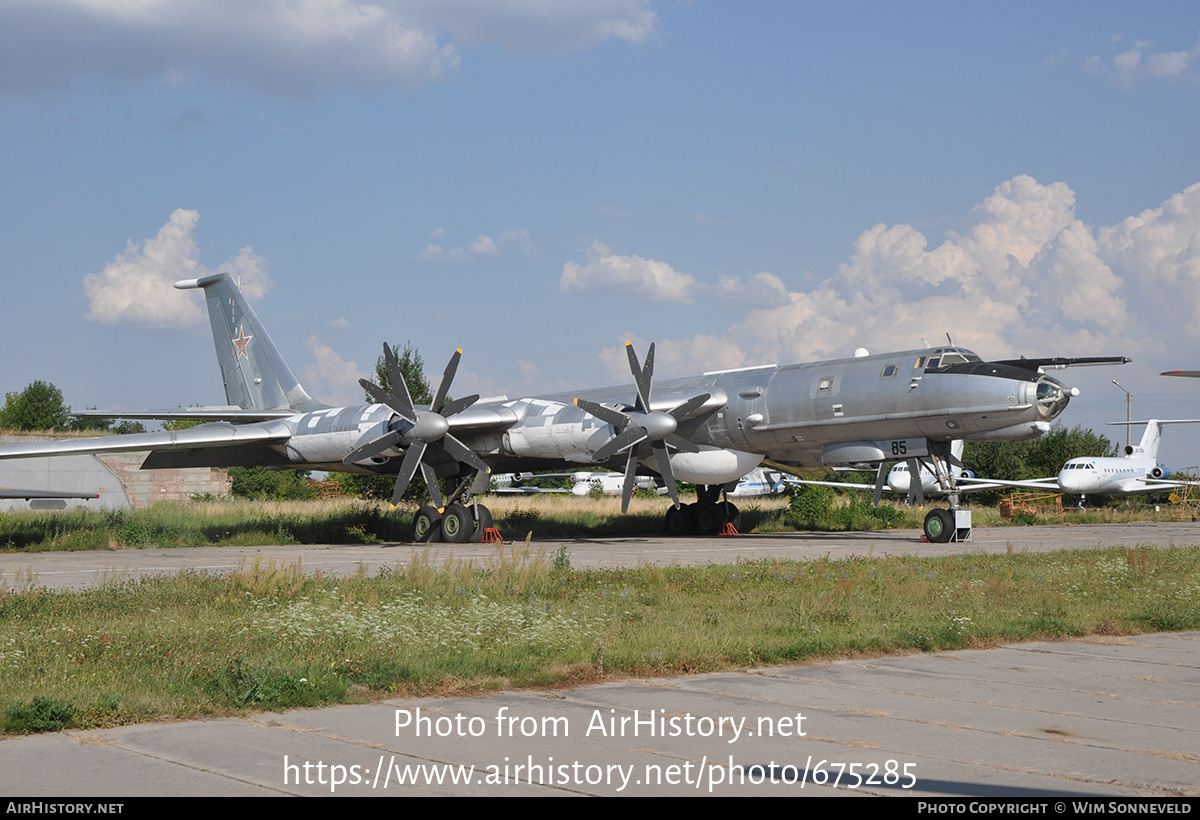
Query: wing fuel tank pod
[{"x": 873, "y": 452}]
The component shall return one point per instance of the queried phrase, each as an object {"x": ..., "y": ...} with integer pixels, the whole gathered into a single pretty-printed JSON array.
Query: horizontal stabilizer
[
  {"x": 218, "y": 434},
  {"x": 9, "y": 492}
]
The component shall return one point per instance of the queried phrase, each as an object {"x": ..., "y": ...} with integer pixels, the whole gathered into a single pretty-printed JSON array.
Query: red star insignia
[{"x": 241, "y": 342}]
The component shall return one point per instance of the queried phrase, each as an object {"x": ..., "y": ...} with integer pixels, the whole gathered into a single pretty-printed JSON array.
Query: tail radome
[{"x": 254, "y": 373}]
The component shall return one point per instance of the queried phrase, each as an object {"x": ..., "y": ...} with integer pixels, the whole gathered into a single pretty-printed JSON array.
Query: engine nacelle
[
  {"x": 711, "y": 465},
  {"x": 1158, "y": 472},
  {"x": 966, "y": 473}
]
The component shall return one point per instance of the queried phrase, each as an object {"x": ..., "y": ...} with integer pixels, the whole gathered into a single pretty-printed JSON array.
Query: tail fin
[
  {"x": 1150, "y": 441},
  {"x": 255, "y": 375}
]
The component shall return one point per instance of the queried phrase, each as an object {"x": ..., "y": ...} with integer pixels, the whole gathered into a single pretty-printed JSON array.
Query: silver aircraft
[{"x": 709, "y": 430}]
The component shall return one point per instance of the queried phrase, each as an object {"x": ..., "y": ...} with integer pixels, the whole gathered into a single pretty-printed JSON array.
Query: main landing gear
[
  {"x": 456, "y": 524},
  {"x": 462, "y": 521},
  {"x": 708, "y": 516}
]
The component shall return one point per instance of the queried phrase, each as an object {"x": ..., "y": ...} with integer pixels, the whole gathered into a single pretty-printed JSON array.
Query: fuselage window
[
  {"x": 889, "y": 370},
  {"x": 824, "y": 384}
]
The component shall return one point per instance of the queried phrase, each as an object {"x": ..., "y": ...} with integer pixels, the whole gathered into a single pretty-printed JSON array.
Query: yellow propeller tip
[{"x": 628, "y": 343}]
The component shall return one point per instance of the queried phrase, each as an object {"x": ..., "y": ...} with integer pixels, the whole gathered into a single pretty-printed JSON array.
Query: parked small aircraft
[
  {"x": 708, "y": 430},
  {"x": 1136, "y": 473},
  {"x": 899, "y": 478}
]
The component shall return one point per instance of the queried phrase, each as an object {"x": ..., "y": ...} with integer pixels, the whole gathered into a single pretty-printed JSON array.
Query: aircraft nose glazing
[{"x": 1052, "y": 398}]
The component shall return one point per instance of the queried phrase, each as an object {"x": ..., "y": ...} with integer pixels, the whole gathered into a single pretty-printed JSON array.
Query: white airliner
[{"x": 1136, "y": 473}]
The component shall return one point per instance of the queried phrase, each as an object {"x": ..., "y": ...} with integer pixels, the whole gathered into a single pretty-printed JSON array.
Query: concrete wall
[{"x": 116, "y": 477}]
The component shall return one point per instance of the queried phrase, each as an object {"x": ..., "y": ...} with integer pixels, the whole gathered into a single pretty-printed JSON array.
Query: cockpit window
[{"x": 947, "y": 356}]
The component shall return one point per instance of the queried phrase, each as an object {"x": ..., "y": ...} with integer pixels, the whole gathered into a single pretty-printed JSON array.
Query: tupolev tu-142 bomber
[{"x": 708, "y": 430}]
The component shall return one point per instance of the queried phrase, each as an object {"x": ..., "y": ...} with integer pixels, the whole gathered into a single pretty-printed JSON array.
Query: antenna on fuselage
[{"x": 948, "y": 339}]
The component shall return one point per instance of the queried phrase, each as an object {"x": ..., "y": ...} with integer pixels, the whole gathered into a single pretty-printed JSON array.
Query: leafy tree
[
  {"x": 264, "y": 483},
  {"x": 80, "y": 424},
  {"x": 1037, "y": 458},
  {"x": 126, "y": 427},
  {"x": 38, "y": 407},
  {"x": 412, "y": 366}
]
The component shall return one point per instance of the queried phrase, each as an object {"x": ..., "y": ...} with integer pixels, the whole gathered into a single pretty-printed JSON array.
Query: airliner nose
[{"x": 1069, "y": 480}]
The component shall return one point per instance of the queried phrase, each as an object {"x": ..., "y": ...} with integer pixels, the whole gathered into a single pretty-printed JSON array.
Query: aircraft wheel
[
  {"x": 939, "y": 525},
  {"x": 709, "y": 519},
  {"x": 485, "y": 521},
  {"x": 458, "y": 525},
  {"x": 427, "y": 525},
  {"x": 679, "y": 520}
]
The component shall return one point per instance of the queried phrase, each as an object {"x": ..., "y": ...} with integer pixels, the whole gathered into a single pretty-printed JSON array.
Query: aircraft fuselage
[{"x": 844, "y": 411}]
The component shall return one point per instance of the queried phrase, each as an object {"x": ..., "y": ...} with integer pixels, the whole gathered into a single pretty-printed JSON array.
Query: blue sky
[{"x": 535, "y": 182}]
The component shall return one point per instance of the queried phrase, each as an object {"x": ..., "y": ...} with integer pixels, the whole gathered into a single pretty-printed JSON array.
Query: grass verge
[{"x": 274, "y": 637}]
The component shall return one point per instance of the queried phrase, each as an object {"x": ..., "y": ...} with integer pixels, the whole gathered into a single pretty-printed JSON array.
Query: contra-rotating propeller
[
  {"x": 643, "y": 424},
  {"x": 419, "y": 431}
]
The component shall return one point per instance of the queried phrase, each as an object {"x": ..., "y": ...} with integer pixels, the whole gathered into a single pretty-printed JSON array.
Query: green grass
[
  {"x": 345, "y": 521},
  {"x": 272, "y": 637}
]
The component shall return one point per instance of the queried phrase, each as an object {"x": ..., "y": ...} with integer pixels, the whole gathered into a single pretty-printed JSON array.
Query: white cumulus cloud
[
  {"x": 291, "y": 47},
  {"x": 1022, "y": 276},
  {"x": 330, "y": 377},
  {"x": 606, "y": 271},
  {"x": 137, "y": 287},
  {"x": 1140, "y": 60}
]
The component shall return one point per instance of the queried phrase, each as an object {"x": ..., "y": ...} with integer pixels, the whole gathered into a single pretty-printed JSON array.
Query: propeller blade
[
  {"x": 462, "y": 453},
  {"x": 458, "y": 405},
  {"x": 372, "y": 448},
  {"x": 399, "y": 386},
  {"x": 688, "y": 407},
  {"x": 630, "y": 477},
  {"x": 628, "y": 438},
  {"x": 381, "y": 396},
  {"x": 664, "y": 469},
  {"x": 411, "y": 459},
  {"x": 614, "y": 417},
  {"x": 642, "y": 375},
  {"x": 439, "y": 398},
  {"x": 431, "y": 483}
]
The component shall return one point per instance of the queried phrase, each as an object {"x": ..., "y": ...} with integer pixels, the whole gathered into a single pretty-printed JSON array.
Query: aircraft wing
[
  {"x": 9, "y": 492},
  {"x": 1029, "y": 484},
  {"x": 984, "y": 485},
  {"x": 203, "y": 436},
  {"x": 189, "y": 413}
]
